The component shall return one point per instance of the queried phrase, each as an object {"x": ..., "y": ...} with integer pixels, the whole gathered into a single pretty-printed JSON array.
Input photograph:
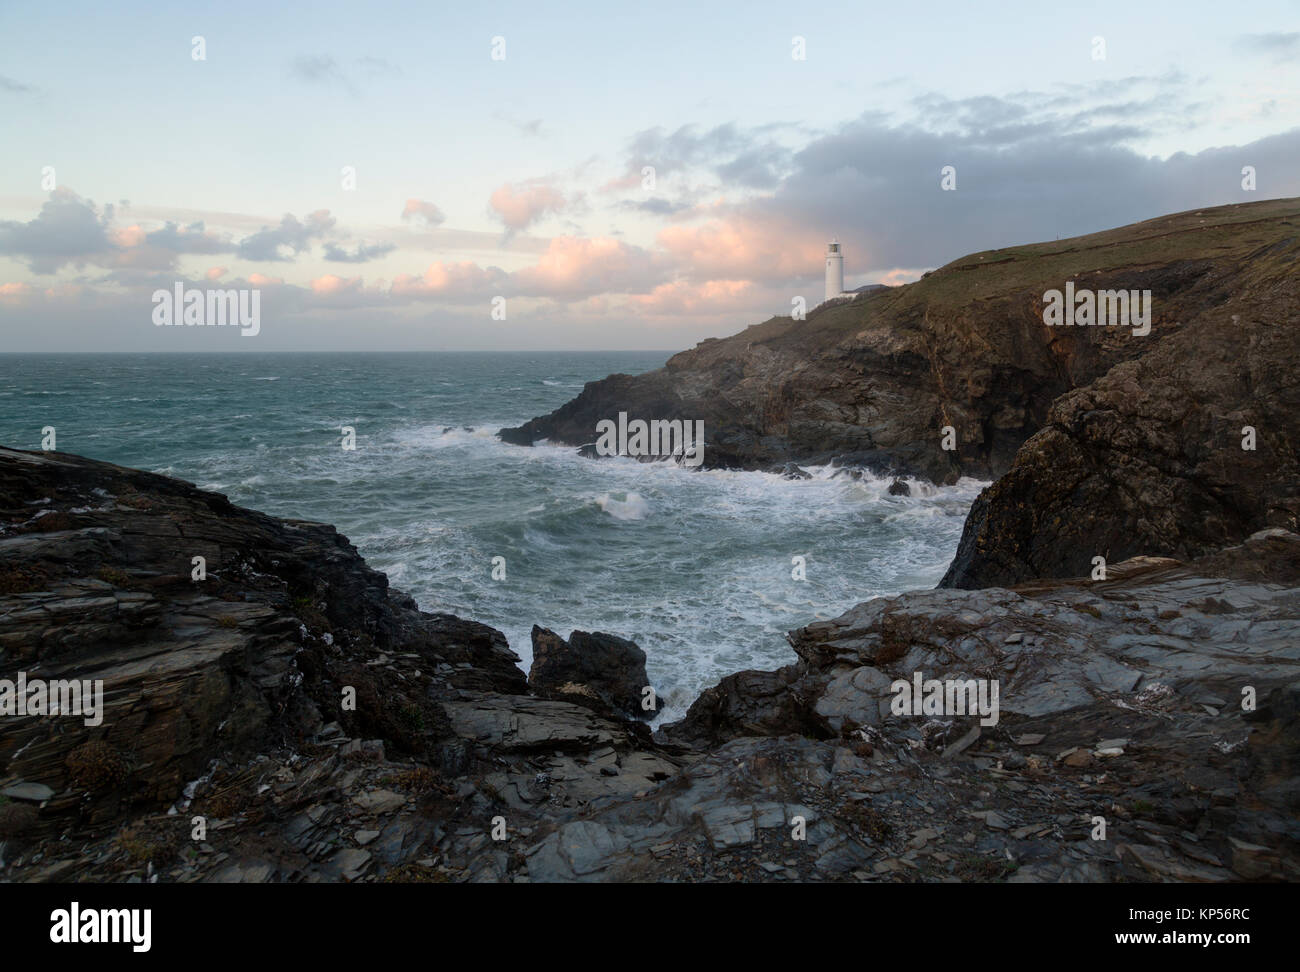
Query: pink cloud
[
  {"x": 711, "y": 296},
  {"x": 331, "y": 284},
  {"x": 16, "y": 291},
  {"x": 632, "y": 180},
  {"x": 520, "y": 206},
  {"x": 216, "y": 273},
  {"x": 427, "y": 211},
  {"x": 578, "y": 267},
  {"x": 742, "y": 250},
  {"x": 899, "y": 275},
  {"x": 462, "y": 279},
  {"x": 128, "y": 236}
]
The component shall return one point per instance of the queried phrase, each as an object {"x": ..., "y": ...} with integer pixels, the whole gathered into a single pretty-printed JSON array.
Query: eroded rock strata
[{"x": 224, "y": 699}]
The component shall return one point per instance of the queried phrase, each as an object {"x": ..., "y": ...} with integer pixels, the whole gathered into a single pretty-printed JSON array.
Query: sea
[{"x": 706, "y": 570}]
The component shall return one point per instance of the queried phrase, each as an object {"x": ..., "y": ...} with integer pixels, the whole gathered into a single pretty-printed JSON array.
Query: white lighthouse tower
[{"x": 834, "y": 270}]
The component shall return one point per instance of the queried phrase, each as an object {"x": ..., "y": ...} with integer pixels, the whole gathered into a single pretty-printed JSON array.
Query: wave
[{"x": 631, "y": 507}]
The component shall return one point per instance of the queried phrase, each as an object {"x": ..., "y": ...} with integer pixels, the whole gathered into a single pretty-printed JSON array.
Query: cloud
[
  {"x": 775, "y": 248},
  {"x": 455, "y": 280},
  {"x": 575, "y": 267},
  {"x": 267, "y": 242},
  {"x": 424, "y": 210},
  {"x": 72, "y": 231},
  {"x": 750, "y": 158},
  {"x": 571, "y": 268},
  {"x": 363, "y": 253},
  {"x": 1024, "y": 173},
  {"x": 324, "y": 69},
  {"x": 709, "y": 297},
  {"x": 1278, "y": 46},
  {"x": 331, "y": 284},
  {"x": 15, "y": 87},
  {"x": 193, "y": 238},
  {"x": 657, "y": 206},
  {"x": 68, "y": 230},
  {"x": 519, "y": 206},
  {"x": 16, "y": 291}
]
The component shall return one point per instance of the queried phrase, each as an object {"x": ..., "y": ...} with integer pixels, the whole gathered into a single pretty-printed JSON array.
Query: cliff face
[
  {"x": 1193, "y": 446},
  {"x": 875, "y": 380}
]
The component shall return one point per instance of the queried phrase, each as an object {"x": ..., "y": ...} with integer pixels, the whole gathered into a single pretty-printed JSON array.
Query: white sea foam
[
  {"x": 628, "y": 506},
  {"x": 693, "y": 565}
]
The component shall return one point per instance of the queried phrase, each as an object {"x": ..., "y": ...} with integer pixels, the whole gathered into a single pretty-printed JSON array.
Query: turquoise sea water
[{"x": 693, "y": 566}]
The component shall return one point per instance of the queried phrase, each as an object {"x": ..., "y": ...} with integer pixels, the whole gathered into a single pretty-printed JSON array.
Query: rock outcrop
[
  {"x": 601, "y": 671},
  {"x": 874, "y": 381},
  {"x": 322, "y": 728},
  {"x": 282, "y": 687},
  {"x": 1191, "y": 447},
  {"x": 1162, "y": 699}
]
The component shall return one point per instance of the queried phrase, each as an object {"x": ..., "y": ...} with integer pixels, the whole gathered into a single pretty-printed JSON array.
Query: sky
[{"x": 574, "y": 176}]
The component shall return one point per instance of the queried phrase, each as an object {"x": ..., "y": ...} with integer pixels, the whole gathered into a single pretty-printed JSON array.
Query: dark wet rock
[
  {"x": 1119, "y": 698},
  {"x": 899, "y": 488},
  {"x": 601, "y": 671},
  {"x": 1149, "y": 458},
  {"x": 1114, "y": 674},
  {"x": 747, "y": 703}
]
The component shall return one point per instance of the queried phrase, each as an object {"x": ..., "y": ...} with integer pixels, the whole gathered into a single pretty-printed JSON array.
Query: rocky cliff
[
  {"x": 1104, "y": 443},
  {"x": 1193, "y": 445},
  {"x": 874, "y": 380},
  {"x": 322, "y": 728}
]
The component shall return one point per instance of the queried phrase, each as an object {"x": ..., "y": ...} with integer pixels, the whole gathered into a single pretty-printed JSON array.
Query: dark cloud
[
  {"x": 188, "y": 239},
  {"x": 1021, "y": 177},
  {"x": 15, "y": 87},
  {"x": 363, "y": 253},
  {"x": 68, "y": 230},
  {"x": 747, "y": 157},
  {"x": 267, "y": 243}
]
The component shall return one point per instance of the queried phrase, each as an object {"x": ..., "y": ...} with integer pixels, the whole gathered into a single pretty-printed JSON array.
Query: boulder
[{"x": 601, "y": 671}]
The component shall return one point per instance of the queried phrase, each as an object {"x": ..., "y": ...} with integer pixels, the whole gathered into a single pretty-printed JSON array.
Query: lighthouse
[{"x": 834, "y": 270}]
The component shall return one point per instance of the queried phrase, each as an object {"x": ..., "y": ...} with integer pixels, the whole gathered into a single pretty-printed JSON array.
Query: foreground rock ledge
[{"x": 1119, "y": 699}]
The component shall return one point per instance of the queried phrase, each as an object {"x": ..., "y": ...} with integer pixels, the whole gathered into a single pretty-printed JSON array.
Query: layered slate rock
[
  {"x": 225, "y": 701},
  {"x": 1143, "y": 678},
  {"x": 874, "y": 381}
]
